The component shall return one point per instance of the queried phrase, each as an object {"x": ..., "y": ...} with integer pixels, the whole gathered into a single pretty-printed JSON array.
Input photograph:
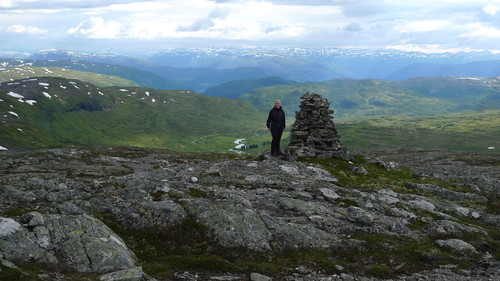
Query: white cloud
[
  {"x": 423, "y": 26},
  {"x": 481, "y": 31},
  {"x": 353, "y": 26},
  {"x": 97, "y": 27},
  {"x": 236, "y": 21},
  {"x": 206, "y": 22},
  {"x": 426, "y": 23},
  {"x": 491, "y": 9},
  {"x": 6, "y": 4},
  {"x": 18, "y": 28}
]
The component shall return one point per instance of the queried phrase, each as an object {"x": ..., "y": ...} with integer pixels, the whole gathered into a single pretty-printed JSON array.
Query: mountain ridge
[
  {"x": 141, "y": 77},
  {"x": 27, "y": 71}
]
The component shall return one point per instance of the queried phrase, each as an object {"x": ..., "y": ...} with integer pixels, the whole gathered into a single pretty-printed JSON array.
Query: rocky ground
[{"x": 124, "y": 213}]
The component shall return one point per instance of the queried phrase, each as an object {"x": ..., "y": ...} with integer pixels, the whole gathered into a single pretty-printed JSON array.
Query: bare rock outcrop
[{"x": 87, "y": 211}]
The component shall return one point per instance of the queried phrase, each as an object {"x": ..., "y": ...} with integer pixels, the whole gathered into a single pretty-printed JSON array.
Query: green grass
[
  {"x": 15, "y": 212},
  {"x": 195, "y": 192},
  {"x": 470, "y": 131},
  {"x": 30, "y": 272},
  {"x": 376, "y": 179},
  {"x": 385, "y": 252}
]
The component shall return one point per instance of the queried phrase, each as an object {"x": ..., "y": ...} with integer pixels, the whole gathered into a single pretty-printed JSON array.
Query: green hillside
[
  {"x": 353, "y": 98},
  {"x": 25, "y": 71},
  {"x": 468, "y": 131},
  {"x": 236, "y": 88},
  {"x": 56, "y": 112}
]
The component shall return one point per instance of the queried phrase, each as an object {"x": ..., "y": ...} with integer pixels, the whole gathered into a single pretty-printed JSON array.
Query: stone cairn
[{"x": 313, "y": 134}]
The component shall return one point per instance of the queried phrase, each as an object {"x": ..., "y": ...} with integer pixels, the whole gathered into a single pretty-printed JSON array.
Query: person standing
[{"x": 276, "y": 124}]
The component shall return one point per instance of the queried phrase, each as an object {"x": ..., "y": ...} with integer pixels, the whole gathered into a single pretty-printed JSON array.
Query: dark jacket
[{"x": 276, "y": 118}]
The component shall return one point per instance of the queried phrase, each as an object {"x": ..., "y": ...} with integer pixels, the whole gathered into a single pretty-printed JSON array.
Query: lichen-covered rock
[
  {"x": 329, "y": 194},
  {"x": 442, "y": 227},
  {"x": 8, "y": 226},
  {"x": 422, "y": 204},
  {"x": 457, "y": 244},
  {"x": 287, "y": 235},
  {"x": 33, "y": 219},
  {"x": 17, "y": 243},
  {"x": 232, "y": 225},
  {"x": 80, "y": 242},
  {"x": 15, "y": 195},
  {"x": 272, "y": 205},
  {"x": 306, "y": 208},
  {"x": 259, "y": 277},
  {"x": 358, "y": 215},
  {"x": 448, "y": 194},
  {"x": 130, "y": 274},
  {"x": 164, "y": 213}
]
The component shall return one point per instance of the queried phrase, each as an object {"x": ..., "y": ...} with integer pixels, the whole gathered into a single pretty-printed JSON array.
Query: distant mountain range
[{"x": 201, "y": 68}]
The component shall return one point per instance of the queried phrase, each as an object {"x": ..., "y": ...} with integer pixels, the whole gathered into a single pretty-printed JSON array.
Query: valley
[{"x": 111, "y": 107}]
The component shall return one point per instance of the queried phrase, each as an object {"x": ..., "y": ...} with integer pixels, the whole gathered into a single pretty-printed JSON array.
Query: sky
[{"x": 136, "y": 26}]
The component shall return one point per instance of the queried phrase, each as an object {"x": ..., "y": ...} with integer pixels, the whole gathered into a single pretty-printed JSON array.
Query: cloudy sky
[{"x": 128, "y": 25}]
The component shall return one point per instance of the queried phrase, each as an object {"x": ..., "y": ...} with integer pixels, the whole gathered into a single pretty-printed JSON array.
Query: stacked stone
[{"x": 313, "y": 134}]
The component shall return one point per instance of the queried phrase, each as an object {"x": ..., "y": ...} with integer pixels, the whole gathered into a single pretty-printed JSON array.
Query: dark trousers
[{"x": 275, "y": 144}]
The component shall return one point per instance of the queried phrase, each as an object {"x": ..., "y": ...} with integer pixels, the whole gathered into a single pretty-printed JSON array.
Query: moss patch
[
  {"x": 195, "y": 192},
  {"x": 385, "y": 256},
  {"x": 377, "y": 178},
  {"x": 29, "y": 272},
  {"x": 16, "y": 212}
]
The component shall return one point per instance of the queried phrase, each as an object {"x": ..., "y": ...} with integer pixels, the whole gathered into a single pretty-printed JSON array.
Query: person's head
[{"x": 277, "y": 104}]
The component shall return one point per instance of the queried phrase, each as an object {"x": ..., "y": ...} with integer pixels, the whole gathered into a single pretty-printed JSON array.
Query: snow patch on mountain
[
  {"x": 13, "y": 113},
  {"x": 74, "y": 85},
  {"x": 17, "y": 96}
]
